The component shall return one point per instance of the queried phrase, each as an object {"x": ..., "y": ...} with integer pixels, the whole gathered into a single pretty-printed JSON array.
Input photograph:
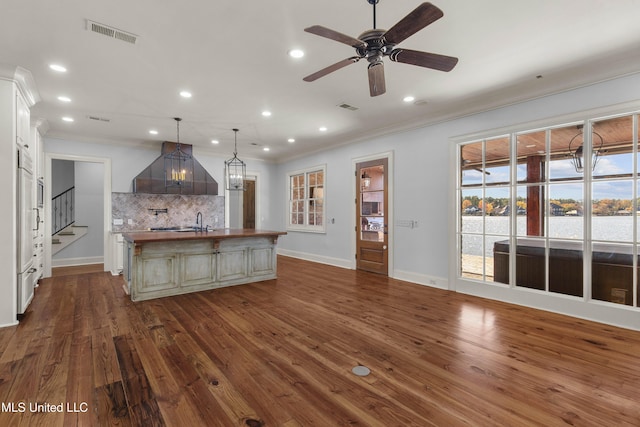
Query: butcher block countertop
[{"x": 223, "y": 233}]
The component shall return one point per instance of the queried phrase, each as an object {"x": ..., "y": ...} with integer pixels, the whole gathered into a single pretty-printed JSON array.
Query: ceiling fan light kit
[{"x": 376, "y": 43}]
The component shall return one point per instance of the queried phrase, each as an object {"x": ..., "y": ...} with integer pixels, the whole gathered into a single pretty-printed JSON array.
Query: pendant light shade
[
  {"x": 178, "y": 165},
  {"x": 236, "y": 170},
  {"x": 366, "y": 180},
  {"x": 577, "y": 151}
]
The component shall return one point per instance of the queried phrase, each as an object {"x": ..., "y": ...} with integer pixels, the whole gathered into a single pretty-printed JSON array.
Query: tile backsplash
[{"x": 136, "y": 210}]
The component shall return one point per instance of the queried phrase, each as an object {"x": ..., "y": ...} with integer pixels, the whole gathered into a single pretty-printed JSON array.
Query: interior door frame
[
  {"x": 254, "y": 176},
  {"x": 390, "y": 197},
  {"x": 108, "y": 260}
]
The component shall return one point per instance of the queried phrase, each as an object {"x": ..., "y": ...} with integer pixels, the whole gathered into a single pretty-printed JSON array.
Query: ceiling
[
  {"x": 611, "y": 136},
  {"x": 233, "y": 57}
]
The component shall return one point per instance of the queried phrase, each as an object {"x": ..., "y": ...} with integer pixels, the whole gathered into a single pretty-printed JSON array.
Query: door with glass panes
[{"x": 371, "y": 216}]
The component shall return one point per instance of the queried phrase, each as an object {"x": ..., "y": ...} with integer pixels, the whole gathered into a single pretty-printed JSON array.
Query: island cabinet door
[
  {"x": 197, "y": 269},
  {"x": 156, "y": 272},
  {"x": 262, "y": 261},
  {"x": 232, "y": 263}
]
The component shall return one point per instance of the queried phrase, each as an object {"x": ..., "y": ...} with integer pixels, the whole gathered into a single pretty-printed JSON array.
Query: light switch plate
[{"x": 118, "y": 221}]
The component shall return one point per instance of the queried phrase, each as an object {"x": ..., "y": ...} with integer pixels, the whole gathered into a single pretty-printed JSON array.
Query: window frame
[
  {"x": 307, "y": 200},
  {"x": 587, "y": 179}
]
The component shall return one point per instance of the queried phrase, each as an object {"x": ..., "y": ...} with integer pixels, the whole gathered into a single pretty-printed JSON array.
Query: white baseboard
[
  {"x": 6, "y": 325},
  {"x": 71, "y": 262},
  {"x": 422, "y": 279},
  {"x": 336, "y": 262}
]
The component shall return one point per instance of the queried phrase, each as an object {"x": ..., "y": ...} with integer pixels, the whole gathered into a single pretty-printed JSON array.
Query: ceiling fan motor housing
[{"x": 376, "y": 46}]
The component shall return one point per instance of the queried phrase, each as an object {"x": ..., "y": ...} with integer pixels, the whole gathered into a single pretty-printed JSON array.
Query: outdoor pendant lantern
[
  {"x": 236, "y": 169},
  {"x": 366, "y": 181},
  {"x": 577, "y": 151},
  {"x": 178, "y": 165}
]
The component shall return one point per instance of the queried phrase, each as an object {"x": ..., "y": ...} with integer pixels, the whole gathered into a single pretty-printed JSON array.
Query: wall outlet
[{"x": 130, "y": 221}]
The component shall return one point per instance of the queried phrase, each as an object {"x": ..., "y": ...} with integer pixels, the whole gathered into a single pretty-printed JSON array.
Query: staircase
[{"x": 67, "y": 236}]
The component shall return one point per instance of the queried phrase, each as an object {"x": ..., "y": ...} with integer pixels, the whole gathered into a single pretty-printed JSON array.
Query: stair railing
[{"x": 63, "y": 210}]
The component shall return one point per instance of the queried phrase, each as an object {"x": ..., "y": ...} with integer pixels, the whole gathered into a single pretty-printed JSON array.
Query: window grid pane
[{"x": 306, "y": 207}]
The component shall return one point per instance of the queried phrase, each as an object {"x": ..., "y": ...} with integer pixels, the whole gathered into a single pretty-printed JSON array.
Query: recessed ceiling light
[
  {"x": 67, "y": 119},
  {"x": 408, "y": 99},
  {"x": 153, "y": 132},
  {"x": 266, "y": 113},
  {"x": 322, "y": 129},
  {"x": 58, "y": 68},
  {"x": 185, "y": 94},
  {"x": 291, "y": 140},
  {"x": 265, "y": 149},
  {"x": 64, "y": 98},
  {"x": 215, "y": 141},
  {"x": 296, "y": 53}
]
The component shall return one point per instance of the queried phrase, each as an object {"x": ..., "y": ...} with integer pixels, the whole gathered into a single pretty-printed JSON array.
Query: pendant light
[
  {"x": 236, "y": 168},
  {"x": 366, "y": 180},
  {"x": 178, "y": 165},
  {"x": 577, "y": 152}
]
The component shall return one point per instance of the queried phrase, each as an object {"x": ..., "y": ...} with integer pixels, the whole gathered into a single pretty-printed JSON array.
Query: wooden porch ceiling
[{"x": 617, "y": 137}]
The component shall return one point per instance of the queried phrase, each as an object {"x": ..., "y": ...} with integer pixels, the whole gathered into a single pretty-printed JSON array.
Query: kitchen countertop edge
[{"x": 226, "y": 233}]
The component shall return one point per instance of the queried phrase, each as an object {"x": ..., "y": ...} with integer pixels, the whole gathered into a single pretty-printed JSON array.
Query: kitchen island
[{"x": 164, "y": 263}]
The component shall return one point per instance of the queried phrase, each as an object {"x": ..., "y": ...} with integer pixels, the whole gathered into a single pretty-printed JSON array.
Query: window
[
  {"x": 306, "y": 200},
  {"x": 554, "y": 210}
]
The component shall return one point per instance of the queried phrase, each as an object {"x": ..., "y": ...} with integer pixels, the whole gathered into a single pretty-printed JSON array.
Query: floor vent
[
  {"x": 347, "y": 107},
  {"x": 361, "y": 371},
  {"x": 108, "y": 31}
]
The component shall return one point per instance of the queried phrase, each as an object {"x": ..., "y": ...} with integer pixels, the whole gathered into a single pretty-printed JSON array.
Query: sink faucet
[{"x": 199, "y": 217}]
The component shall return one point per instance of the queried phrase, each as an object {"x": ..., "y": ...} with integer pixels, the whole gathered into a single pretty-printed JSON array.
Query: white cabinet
[
  {"x": 117, "y": 253},
  {"x": 37, "y": 150},
  {"x": 17, "y": 95}
]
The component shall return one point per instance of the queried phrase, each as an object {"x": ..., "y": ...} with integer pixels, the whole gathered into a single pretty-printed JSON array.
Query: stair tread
[{"x": 66, "y": 237}]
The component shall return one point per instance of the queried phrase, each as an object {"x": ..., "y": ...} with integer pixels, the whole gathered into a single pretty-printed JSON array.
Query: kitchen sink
[{"x": 179, "y": 229}]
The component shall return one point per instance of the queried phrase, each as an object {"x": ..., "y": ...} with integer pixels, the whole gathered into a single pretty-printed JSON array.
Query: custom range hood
[{"x": 155, "y": 180}]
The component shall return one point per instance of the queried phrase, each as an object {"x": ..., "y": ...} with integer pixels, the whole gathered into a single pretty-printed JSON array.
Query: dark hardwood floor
[{"x": 280, "y": 353}]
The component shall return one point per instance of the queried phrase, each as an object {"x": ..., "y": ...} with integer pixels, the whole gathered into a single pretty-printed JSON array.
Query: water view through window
[{"x": 562, "y": 196}]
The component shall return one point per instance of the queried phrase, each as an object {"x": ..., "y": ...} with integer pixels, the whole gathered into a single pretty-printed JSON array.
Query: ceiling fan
[{"x": 376, "y": 43}]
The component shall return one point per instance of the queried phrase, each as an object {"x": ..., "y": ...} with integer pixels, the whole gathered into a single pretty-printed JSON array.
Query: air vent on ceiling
[
  {"x": 112, "y": 32},
  {"x": 99, "y": 119},
  {"x": 347, "y": 107}
]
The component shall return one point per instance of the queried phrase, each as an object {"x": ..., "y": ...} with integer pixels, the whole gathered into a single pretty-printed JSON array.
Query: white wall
[
  {"x": 62, "y": 176},
  {"x": 422, "y": 179}
]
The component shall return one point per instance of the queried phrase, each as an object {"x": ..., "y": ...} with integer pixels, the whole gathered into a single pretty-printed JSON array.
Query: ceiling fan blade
[
  {"x": 421, "y": 16},
  {"x": 321, "y": 31},
  {"x": 331, "y": 68},
  {"x": 423, "y": 59},
  {"x": 376, "y": 79}
]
